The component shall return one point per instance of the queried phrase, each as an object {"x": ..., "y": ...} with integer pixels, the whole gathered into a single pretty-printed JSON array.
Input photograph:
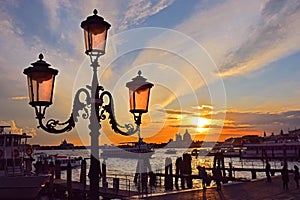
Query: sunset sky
[{"x": 221, "y": 68}]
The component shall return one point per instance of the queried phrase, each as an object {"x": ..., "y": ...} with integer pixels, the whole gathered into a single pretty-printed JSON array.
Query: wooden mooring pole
[
  {"x": 69, "y": 180},
  {"x": 57, "y": 169},
  {"x": 51, "y": 186},
  {"x": 168, "y": 174},
  {"x": 83, "y": 177}
]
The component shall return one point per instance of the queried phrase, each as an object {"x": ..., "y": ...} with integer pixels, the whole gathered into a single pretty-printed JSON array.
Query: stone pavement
[{"x": 253, "y": 190}]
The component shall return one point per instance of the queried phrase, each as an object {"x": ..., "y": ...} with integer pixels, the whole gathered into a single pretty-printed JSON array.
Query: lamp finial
[
  {"x": 41, "y": 56},
  {"x": 95, "y": 11}
]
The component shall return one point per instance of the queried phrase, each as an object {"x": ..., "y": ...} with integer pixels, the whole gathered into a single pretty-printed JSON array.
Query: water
[{"x": 118, "y": 167}]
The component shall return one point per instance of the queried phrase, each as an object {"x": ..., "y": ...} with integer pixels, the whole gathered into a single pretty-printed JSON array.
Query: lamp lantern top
[
  {"x": 40, "y": 66},
  {"x": 139, "y": 82},
  {"x": 95, "y": 33}
]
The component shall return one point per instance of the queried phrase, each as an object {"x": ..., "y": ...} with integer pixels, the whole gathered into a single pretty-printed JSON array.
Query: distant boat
[
  {"x": 200, "y": 152},
  {"x": 171, "y": 151},
  {"x": 16, "y": 179},
  {"x": 128, "y": 150},
  {"x": 75, "y": 161}
]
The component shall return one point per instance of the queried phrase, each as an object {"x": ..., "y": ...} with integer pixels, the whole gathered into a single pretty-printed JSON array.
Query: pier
[
  {"x": 166, "y": 185},
  {"x": 253, "y": 190}
]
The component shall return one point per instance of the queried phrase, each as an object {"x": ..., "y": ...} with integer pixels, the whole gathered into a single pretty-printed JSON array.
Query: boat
[
  {"x": 199, "y": 152},
  {"x": 17, "y": 181},
  {"x": 284, "y": 150},
  {"x": 42, "y": 158},
  {"x": 171, "y": 151},
  {"x": 129, "y": 150},
  {"x": 282, "y": 147}
]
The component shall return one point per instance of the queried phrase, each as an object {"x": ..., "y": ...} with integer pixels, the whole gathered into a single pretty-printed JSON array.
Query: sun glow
[{"x": 201, "y": 123}]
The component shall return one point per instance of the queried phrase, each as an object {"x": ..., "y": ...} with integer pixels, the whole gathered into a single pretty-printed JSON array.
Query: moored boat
[
  {"x": 17, "y": 181},
  {"x": 284, "y": 150},
  {"x": 42, "y": 157},
  {"x": 171, "y": 151},
  {"x": 282, "y": 147},
  {"x": 128, "y": 150}
]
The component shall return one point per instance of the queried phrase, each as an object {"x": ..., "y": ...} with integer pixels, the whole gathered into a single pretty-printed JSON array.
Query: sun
[{"x": 201, "y": 123}]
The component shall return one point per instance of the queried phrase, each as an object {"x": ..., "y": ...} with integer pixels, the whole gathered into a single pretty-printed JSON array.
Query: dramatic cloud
[
  {"x": 20, "y": 98},
  {"x": 273, "y": 36},
  {"x": 17, "y": 130},
  {"x": 259, "y": 122},
  {"x": 137, "y": 11}
]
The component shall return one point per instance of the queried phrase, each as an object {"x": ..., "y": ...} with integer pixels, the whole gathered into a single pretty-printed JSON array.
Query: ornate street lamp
[
  {"x": 41, "y": 85},
  {"x": 139, "y": 93}
]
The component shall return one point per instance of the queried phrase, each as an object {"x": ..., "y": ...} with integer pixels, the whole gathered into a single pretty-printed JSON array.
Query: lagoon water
[{"x": 119, "y": 167}]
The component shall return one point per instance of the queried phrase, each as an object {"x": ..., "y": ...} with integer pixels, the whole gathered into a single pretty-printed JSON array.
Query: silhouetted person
[
  {"x": 45, "y": 167},
  {"x": 38, "y": 167},
  {"x": 285, "y": 177},
  {"x": 296, "y": 177},
  {"x": 268, "y": 171},
  {"x": 218, "y": 177},
  {"x": 28, "y": 165}
]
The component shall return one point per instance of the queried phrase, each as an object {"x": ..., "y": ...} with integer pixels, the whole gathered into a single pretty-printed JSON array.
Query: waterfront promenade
[{"x": 253, "y": 190}]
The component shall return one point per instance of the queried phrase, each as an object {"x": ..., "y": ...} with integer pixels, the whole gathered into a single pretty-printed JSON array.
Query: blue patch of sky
[
  {"x": 32, "y": 19},
  {"x": 172, "y": 15},
  {"x": 31, "y": 16},
  {"x": 178, "y": 12},
  {"x": 166, "y": 18},
  {"x": 175, "y": 14},
  {"x": 269, "y": 80}
]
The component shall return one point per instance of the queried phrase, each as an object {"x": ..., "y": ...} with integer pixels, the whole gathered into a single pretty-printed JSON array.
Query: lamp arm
[
  {"x": 51, "y": 125},
  {"x": 109, "y": 108}
]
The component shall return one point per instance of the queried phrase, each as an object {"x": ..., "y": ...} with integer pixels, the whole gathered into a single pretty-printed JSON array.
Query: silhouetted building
[
  {"x": 65, "y": 145},
  {"x": 181, "y": 141}
]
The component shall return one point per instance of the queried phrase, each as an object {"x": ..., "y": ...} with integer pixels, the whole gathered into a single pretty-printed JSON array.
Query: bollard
[
  {"x": 253, "y": 174},
  {"x": 83, "y": 176},
  {"x": 230, "y": 170},
  {"x": 104, "y": 182},
  {"x": 69, "y": 180},
  {"x": 57, "y": 169},
  {"x": 51, "y": 184},
  {"x": 83, "y": 172},
  {"x": 171, "y": 174},
  {"x": 116, "y": 184}
]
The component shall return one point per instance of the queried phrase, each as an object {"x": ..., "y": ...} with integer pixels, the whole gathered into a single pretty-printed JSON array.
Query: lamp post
[{"x": 41, "y": 78}]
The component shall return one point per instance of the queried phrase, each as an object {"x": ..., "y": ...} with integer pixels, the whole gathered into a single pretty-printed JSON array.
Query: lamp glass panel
[
  {"x": 29, "y": 82},
  {"x": 95, "y": 37},
  {"x": 42, "y": 86},
  {"x": 86, "y": 39},
  {"x": 99, "y": 41},
  {"x": 141, "y": 99},
  {"x": 131, "y": 99}
]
